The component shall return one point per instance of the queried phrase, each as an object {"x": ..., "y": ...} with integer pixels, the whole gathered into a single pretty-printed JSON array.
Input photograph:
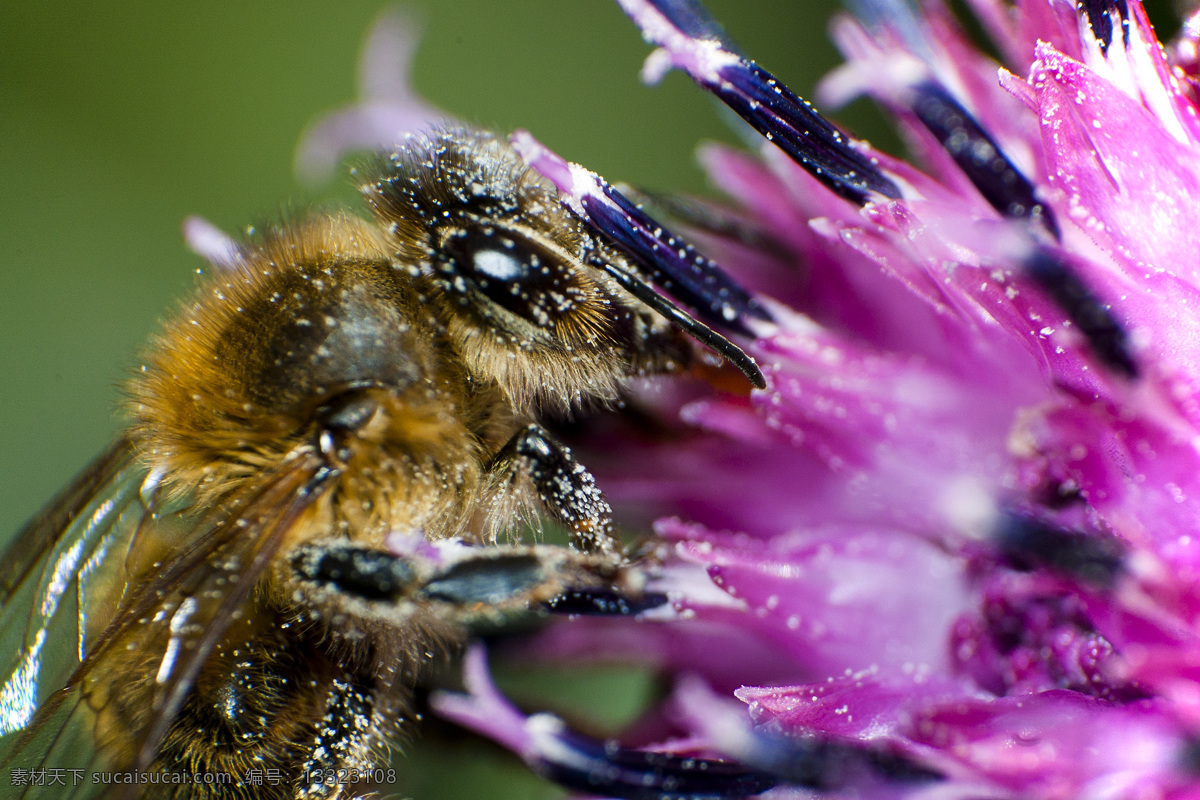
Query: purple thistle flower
[{"x": 950, "y": 549}]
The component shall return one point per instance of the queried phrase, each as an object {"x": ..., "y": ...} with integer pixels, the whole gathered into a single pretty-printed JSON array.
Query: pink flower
[{"x": 952, "y": 548}]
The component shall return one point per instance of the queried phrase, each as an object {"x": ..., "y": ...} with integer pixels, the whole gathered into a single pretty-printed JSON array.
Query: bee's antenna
[
  {"x": 643, "y": 291},
  {"x": 667, "y": 260}
]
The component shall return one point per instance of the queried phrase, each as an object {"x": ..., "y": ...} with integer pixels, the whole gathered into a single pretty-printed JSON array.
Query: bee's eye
[
  {"x": 518, "y": 274},
  {"x": 501, "y": 265}
]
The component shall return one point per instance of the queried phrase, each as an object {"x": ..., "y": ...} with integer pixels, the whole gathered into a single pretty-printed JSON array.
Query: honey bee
[{"x": 331, "y": 446}]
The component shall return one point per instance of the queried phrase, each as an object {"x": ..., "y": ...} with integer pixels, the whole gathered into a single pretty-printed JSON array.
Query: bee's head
[{"x": 506, "y": 268}]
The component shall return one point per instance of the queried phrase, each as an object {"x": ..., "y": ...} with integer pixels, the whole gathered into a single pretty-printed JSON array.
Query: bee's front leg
[
  {"x": 453, "y": 581},
  {"x": 390, "y": 615},
  {"x": 342, "y": 755},
  {"x": 567, "y": 491}
]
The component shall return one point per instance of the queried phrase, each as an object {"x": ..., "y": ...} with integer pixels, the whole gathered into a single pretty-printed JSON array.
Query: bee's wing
[
  {"x": 23, "y": 554},
  {"x": 129, "y": 686},
  {"x": 47, "y": 576}
]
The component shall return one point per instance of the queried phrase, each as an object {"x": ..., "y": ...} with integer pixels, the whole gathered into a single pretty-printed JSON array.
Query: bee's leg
[
  {"x": 604, "y": 602},
  {"x": 500, "y": 577},
  {"x": 567, "y": 490},
  {"x": 341, "y": 755},
  {"x": 354, "y": 571},
  {"x": 469, "y": 582}
]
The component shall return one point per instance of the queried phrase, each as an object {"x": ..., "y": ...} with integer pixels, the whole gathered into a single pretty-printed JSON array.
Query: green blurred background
[{"x": 120, "y": 119}]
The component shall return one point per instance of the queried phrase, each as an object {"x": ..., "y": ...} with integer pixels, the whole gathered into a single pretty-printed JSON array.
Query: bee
[{"x": 330, "y": 450}]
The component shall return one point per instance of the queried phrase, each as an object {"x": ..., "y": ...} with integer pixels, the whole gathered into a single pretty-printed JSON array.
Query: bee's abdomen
[{"x": 260, "y": 710}]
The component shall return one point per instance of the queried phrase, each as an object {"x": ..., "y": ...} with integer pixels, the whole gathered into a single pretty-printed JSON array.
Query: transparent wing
[
  {"x": 125, "y": 687},
  {"x": 49, "y": 573},
  {"x": 41, "y": 533}
]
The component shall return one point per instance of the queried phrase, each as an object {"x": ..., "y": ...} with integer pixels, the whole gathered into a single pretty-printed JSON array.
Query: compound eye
[
  {"x": 500, "y": 265},
  {"x": 518, "y": 274}
]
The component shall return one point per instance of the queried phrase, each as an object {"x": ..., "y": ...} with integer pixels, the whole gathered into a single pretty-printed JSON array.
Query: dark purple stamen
[
  {"x": 672, "y": 263},
  {"x": 694, "y": 21},
  {"x": 831, "y": 765},
  {"x": 686, "y": 31},
  {"x": 1095, "y": 321},
  {"x": 708, "y": 218},
  {"x": 658, "y": 256},
  {"x": 793, "y": 124},
  {"x": 1028, "y": 543},
  {"x": 1012, "y": 194},
  {"x": 609, "y": 770},
  {"x": 1100, "y": 19},
  {"x": 979, "y": 157},
  {"x": 1189, "y": 758},
  {"x": 585, "y": 764},
  {"x": 697, "y": 330}
]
